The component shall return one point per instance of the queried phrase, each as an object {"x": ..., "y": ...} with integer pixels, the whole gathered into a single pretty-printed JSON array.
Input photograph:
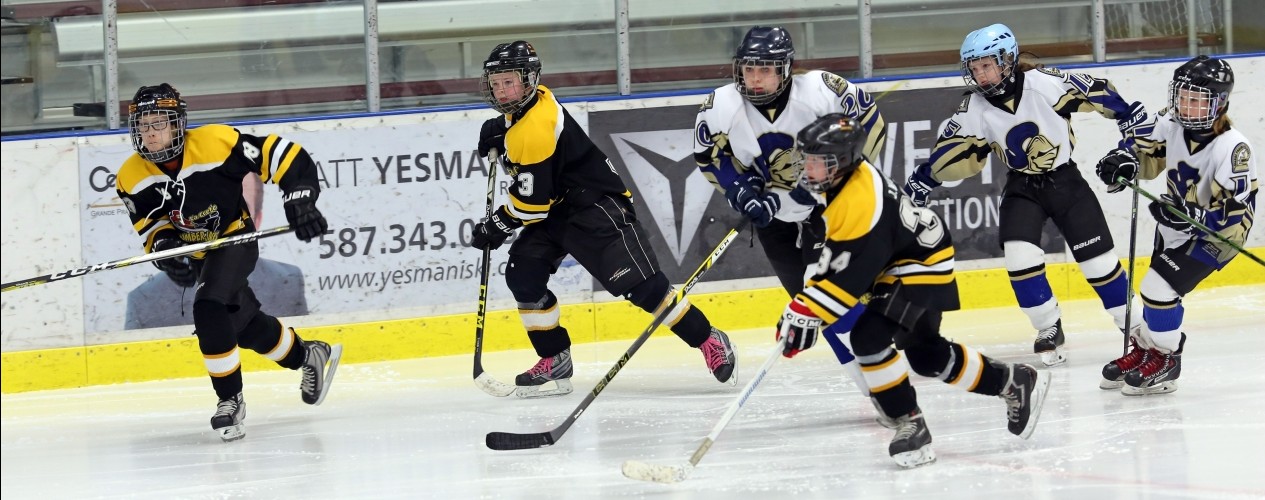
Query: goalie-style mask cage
[
  {"x": 518, "y": 57},
  {"x": 156, "y": 111},
  {"x": 1200, "y": 92},
  {"x": 996, "y": 42},
  {"x": 828, "y": 150},
  {"x": 764, "y": 46}
]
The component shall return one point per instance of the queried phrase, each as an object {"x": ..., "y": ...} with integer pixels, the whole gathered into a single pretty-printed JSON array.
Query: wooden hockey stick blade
[
  {"x": 493, "y": 386},
  {"x": 503, "y": 441},
  {"x": 666, "y": 474}
]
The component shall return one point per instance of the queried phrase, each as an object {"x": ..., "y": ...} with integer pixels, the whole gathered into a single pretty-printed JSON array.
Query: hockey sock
[
  {"x": 887, "y": 375},
  {"x": 1110, "y": 282},
  {"x": 1025, "y": 263},
  {"x": 267, "y": 336},
  {"x": 218, "y": 344}
]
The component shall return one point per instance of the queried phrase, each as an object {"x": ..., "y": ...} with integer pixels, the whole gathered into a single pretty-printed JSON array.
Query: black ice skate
[
  {"x": 1024, "y": 394},
  {"x": 911, "y": 446},
  {"x": 1158, "y": 375},
  {"x": 227, "y": 421},
  {"x": 719, "y": 354},
  {"x": 556, "y": 369},
  {"x": 1113, "y": 373},
  {"x": 319, "y": 366},
  {"x": 1049, "y": 345}
]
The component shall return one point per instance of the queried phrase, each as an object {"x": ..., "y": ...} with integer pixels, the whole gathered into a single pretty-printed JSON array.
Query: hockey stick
[
  {"x": 149, "y": 257},
  {"x": 642, "y": 471},
  {"x": 1128, "y": 298},
  {"x": 481, "y": 378},
  {"x": 513, "y": 441},
  {"x": 1182, "y": 215}
]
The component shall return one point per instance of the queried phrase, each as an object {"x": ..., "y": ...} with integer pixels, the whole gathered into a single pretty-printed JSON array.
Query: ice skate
[
  {"x": 318, "y": 370},
  {"x": 227, "y": 421},
  {"x": 719, "y": 354},
  {"x": 1049, "y": 345},
  {"x": 556, "y": 369},
  {"x": 911, "y": 446},
  {"x": 882, "y": 418},
  {"x": 1158, "y": 375},
  {"x": 1024, "y": 394},
  {"x": 1113, "y": 373}
]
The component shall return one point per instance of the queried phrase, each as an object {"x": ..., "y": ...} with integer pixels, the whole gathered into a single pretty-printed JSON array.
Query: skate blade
[
  {"x": 1110, "y": 385},
  {"x": 561, "y": 387},
  {"x": 1053, "y": 358},
  {"x": 1162, "y": 388},
  {"x": 232, "y": 432},
  {"x": 335, "y": 354},
  {"x": 915, "y": 458}
]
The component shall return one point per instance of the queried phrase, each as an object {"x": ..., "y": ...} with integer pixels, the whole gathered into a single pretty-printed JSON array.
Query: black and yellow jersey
[
  {"x": 875, "y": 234},
  {"x": 552, "y": 160},
  {"x": 202, "y": 200}
]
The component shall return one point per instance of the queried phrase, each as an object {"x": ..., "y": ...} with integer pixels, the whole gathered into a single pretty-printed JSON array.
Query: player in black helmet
[
  {"x": 567, "y": 199},
  {"x": 886, "y": 274},
  {"x": 1212, "y": 178},
  {"x": 744, "y": 139},
  {"x": 185, "y": 186}
]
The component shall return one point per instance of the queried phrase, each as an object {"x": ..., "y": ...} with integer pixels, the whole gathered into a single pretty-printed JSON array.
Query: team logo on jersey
[
  {"x": 1029, "y": 151},
  {"x": 966, "y": 103},
  {"x": 778, "y": 164},
  {"x": 951, "y": 129},
  {"x": 703, "y": 134},
  {"x": 202, "y": 226},
  {"x": 1240, "y": 158},
  {"x": 678, "y": 192},
  {"x": 834, "y": 82}
]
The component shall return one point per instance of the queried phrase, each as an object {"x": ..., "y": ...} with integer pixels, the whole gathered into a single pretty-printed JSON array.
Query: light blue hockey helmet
[{"x": 998, "y": 42}]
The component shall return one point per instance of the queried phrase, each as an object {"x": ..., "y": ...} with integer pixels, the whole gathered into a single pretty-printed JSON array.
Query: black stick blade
[{"x": 501, "y": 441}]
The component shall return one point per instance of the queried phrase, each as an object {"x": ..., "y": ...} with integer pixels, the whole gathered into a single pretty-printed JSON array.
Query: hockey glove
[
  {"x": 1119, "y": 163},
  {"x": 918, "y": 187},
  {"x": 301, "y": 213},
  {"x": 490, "y": 234},
  {"x": 1173, "y": 221},
  {"x": 492, "y": 136},
  {"x": 746, "y": 195},
  {"x": 799, "y": 326},
  {"x": 181, "y": 269}
]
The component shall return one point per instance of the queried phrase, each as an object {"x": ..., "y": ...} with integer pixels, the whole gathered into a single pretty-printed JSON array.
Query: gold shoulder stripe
[
  {"x": 291, "y": 152},
  {"x": 534, "y": 138},
  {"x": 856, "y": 208},
  {"x": 265, "y": 173},
  {"x": 209, "y": 145},
  {"x": 134, "y": 170}
]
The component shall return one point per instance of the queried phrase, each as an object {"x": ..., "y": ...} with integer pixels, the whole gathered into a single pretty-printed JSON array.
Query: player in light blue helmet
[{"x": 989, "y": 55}]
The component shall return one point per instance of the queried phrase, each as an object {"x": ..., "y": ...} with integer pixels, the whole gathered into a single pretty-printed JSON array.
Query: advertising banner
[{"x": 401, "y": 205}]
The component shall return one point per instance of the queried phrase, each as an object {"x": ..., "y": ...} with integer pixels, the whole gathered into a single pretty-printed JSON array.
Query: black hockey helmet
[
  {"x": 161, "y": 101},
  {"x": 1205, "y": 84},
  {"x": 518, "y": 56},
  {"x": 764, "y": 46},
  {"x": 829, "y": 149}
]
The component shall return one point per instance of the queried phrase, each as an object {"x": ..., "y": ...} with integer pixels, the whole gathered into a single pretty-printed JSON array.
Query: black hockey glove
[
  {"x": 746, "y": 195},
  {"x": 301, "y": 213},
  {"x": 920, "y": 184},
  {"x": 800, "y": 328},
  {"x": 182, "y": 270},
  {"x": 1119, "y": 163},
  {"x": 490, "y": 234},
  {"x": 492, "y": 136},
  {"x": 1171, "y": 220}
]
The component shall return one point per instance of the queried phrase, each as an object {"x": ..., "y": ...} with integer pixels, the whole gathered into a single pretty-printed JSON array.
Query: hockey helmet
[
  {"x": 764, "y": 46},
  {"x": 995, "y": 41},
  {"x": 828, "y": 150},
  {"x": 158, "y": 108},
  {"x": 519, "y": 57},
  {"x": 1200, "y": 92}
]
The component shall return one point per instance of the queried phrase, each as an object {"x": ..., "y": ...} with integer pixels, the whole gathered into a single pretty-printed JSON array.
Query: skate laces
[
  {"x": 1048, "y": 333},
  {"x": 1134, "y": 359},
  {"x": 714, "y": 353},
  {"x": 226, "y": 407},
  {"x": 543, "y": 367},
  {"x": 908, "y": 427},
  {"x": 1155, "y": 362},
  {"x": 308, "y": 384},
  {"x": 1011, "y": 395}
]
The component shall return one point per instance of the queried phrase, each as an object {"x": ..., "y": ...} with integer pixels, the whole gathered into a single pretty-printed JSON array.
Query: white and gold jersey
[
  {"x": 1218, "y": 175},
  {"x": 1031, "y": 130}
]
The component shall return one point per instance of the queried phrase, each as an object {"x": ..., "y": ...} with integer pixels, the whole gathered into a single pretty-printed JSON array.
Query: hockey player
[
  {"x": 744, "y": 138},
  {"x": 568, "y": 199},
  {"x": 1212, "y": 177},
  {"x": 185, "y": 186},
  {"x": 1023, "y": 110},
  {"x": 886, "y": 274}
]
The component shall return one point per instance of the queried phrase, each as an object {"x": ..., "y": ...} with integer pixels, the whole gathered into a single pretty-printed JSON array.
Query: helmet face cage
[
  {"x": 517, "y": 57},
  {"x": 781, "y": 67},
  {"x": 828, "y": 150},
  {"x": 995, "y": 41},
  {"x": 1194, "y": 107},
  {"x": 824, "y": 169},
  {"x": 163, "y": 102}
]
